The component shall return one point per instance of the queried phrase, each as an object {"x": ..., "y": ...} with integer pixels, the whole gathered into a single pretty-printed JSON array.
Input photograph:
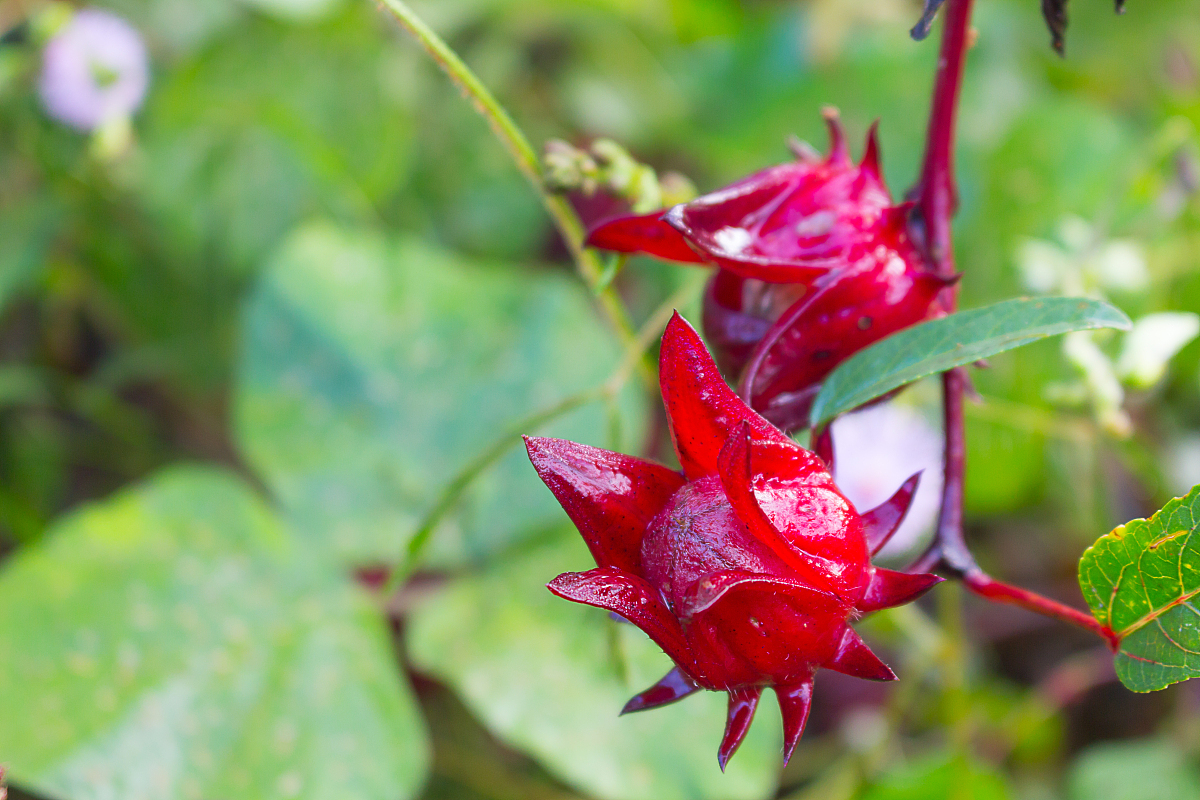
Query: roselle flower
[
  {"x": 746, "y": 568},
  {"x": 791, "y": 223},
  {"x": 94, "y": 70},
  {"x": 814, "y": 263}
]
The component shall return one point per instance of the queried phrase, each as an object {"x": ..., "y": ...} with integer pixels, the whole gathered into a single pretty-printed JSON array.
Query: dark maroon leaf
[{"x": 1055, "y": 12}]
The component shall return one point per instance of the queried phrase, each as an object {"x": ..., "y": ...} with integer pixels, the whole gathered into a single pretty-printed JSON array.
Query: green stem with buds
[{"x": 587, "y": 262}]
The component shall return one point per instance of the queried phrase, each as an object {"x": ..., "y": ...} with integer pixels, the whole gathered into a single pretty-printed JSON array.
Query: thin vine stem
[
  {"x": 587, "y": 263},
  {"x": 453, "y": 490},
  {"x": 936, "y": 195}
]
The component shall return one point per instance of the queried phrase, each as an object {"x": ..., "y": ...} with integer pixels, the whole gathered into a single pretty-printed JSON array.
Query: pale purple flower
[
  {"x": 875, "y": 451},
  {"x": 94, "y": 70}
]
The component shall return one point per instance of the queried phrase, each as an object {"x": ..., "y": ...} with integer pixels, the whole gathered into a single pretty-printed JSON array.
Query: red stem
[
  {"x": 937, "y": 200},
  {"x": 936, "y": 195},
  {"x": 985, "y": 586}
]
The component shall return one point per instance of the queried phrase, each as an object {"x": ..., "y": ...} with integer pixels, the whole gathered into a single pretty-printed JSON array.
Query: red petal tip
[
  {"x": 672, "y": 687},
  {"x": 609, "y": 496},
  {"x": 645, "y": 233},
  {"x": 742, "y": 704},
  {"x": 889, "y": 588},
  {"x": 870, "y": 161},
  {"x": 855, "y": 658},
  {"x": 837, "y": 139},
  {"x": 701, "y": 409},
  {"x": 795, "y": 701},
  {"x": 881, "y": 522}
]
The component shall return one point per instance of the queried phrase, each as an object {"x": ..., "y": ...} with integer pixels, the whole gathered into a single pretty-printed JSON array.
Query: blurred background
[{"x": 274, "y": 302}]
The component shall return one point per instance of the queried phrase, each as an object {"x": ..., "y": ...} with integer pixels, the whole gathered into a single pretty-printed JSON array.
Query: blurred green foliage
[{"x": 315, "y": 271}]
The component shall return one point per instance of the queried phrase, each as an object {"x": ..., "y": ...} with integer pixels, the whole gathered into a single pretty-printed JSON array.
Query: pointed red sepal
[
  {"x": 701, "y": 409},
  {"x": 742, "y": 705},
  {"x": 631, "y": 597},
  {"x": 881, "y": 522},
  {"x": 709, "y": 590},
  {"x": 673, "y": 686},
  {"x": 646, "y": 233},
  {"x": 870, "y": 160},
  {"x": 837, "y": 138},
  {"x": 610, "y": 497},
  {"x": 737, "y": 475},
  {"x": 855, "y": 658},
  {"x": 795, "y": 701},
  {"x": 823, "y": 447},
  {"x": 889, "y": 588}
]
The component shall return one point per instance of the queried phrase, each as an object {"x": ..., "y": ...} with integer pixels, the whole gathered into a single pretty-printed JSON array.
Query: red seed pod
[
  {"x": 747, "y": 568},
  {"x": 874, "y": 297},
  {"x": 792, "y": 223},
  {"x": 814, "y": 263}
]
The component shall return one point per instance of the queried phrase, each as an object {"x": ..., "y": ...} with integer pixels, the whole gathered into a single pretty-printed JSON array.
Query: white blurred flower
[
  {"x": 94, "y": 71},
  {"x": 878, "y": 449},
  {"x": 1083, "y": 264},
  {"x": 1154, "y": 340},
  {"x": 1104, "y": 389}
]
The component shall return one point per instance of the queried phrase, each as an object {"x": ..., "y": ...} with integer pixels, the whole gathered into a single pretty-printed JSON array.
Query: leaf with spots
[
  {"x": 962, "y": 338},
  {"x": 175, "y": 642},
  {"x": 1142, "y": 582}
]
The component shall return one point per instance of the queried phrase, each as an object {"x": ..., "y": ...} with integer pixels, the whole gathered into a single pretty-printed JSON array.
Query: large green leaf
[
  {"x": 962, "y": 338},
  {"x": 550, "y": 677},
  {"x": 372, "y": 372},
  {"x": 945, "y": 775},
  {"x": 1139, "y": 770},
  {"x": 174, "y": 642},
  {"x": 237, "y": 151},
  {"x": 1141, "y": 581}
]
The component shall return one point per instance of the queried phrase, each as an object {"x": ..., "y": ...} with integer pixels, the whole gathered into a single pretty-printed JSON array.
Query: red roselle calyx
[
  {"x": 747, "y": 568},
  {"x": 814, "y": 263}
]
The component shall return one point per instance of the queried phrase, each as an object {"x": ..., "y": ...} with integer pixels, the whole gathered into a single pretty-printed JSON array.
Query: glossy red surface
[
  {"x": 746, "y": 569},
  {"x": 814, "y": 263}
]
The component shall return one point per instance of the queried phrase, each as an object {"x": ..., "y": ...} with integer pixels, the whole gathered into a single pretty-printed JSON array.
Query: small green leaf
[
  {"x": 1141, "y": 581},
  {"x": 962, "y": 338},
  {"x": 550, "y": 677},
  {"x": 174, "y": 642},
  {"x": 372, "y": 371}
]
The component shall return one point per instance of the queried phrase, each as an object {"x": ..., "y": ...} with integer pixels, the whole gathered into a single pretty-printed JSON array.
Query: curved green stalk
[{"x": 587, "y": 263}]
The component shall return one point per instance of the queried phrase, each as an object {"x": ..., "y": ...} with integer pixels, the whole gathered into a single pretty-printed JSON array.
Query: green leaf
[
  {"x": 550, "y": 677},
  {"x": 27, "y": 229},
  {"x": 372, "y": 372},
  {"x": 174, "y": 642},
  {"x": 962, "y": 338},
  {"x": 950, "y": 775},
  {"x": 1141, "y": 581},
  {"x": 1145, "y": 770},
  {"x": 237, "y": 152}
]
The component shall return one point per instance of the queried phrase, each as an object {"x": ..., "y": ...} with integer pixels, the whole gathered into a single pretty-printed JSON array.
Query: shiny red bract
[
  {"x": 746, "y": 568},
  {"x": 814, "y": 263}
]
